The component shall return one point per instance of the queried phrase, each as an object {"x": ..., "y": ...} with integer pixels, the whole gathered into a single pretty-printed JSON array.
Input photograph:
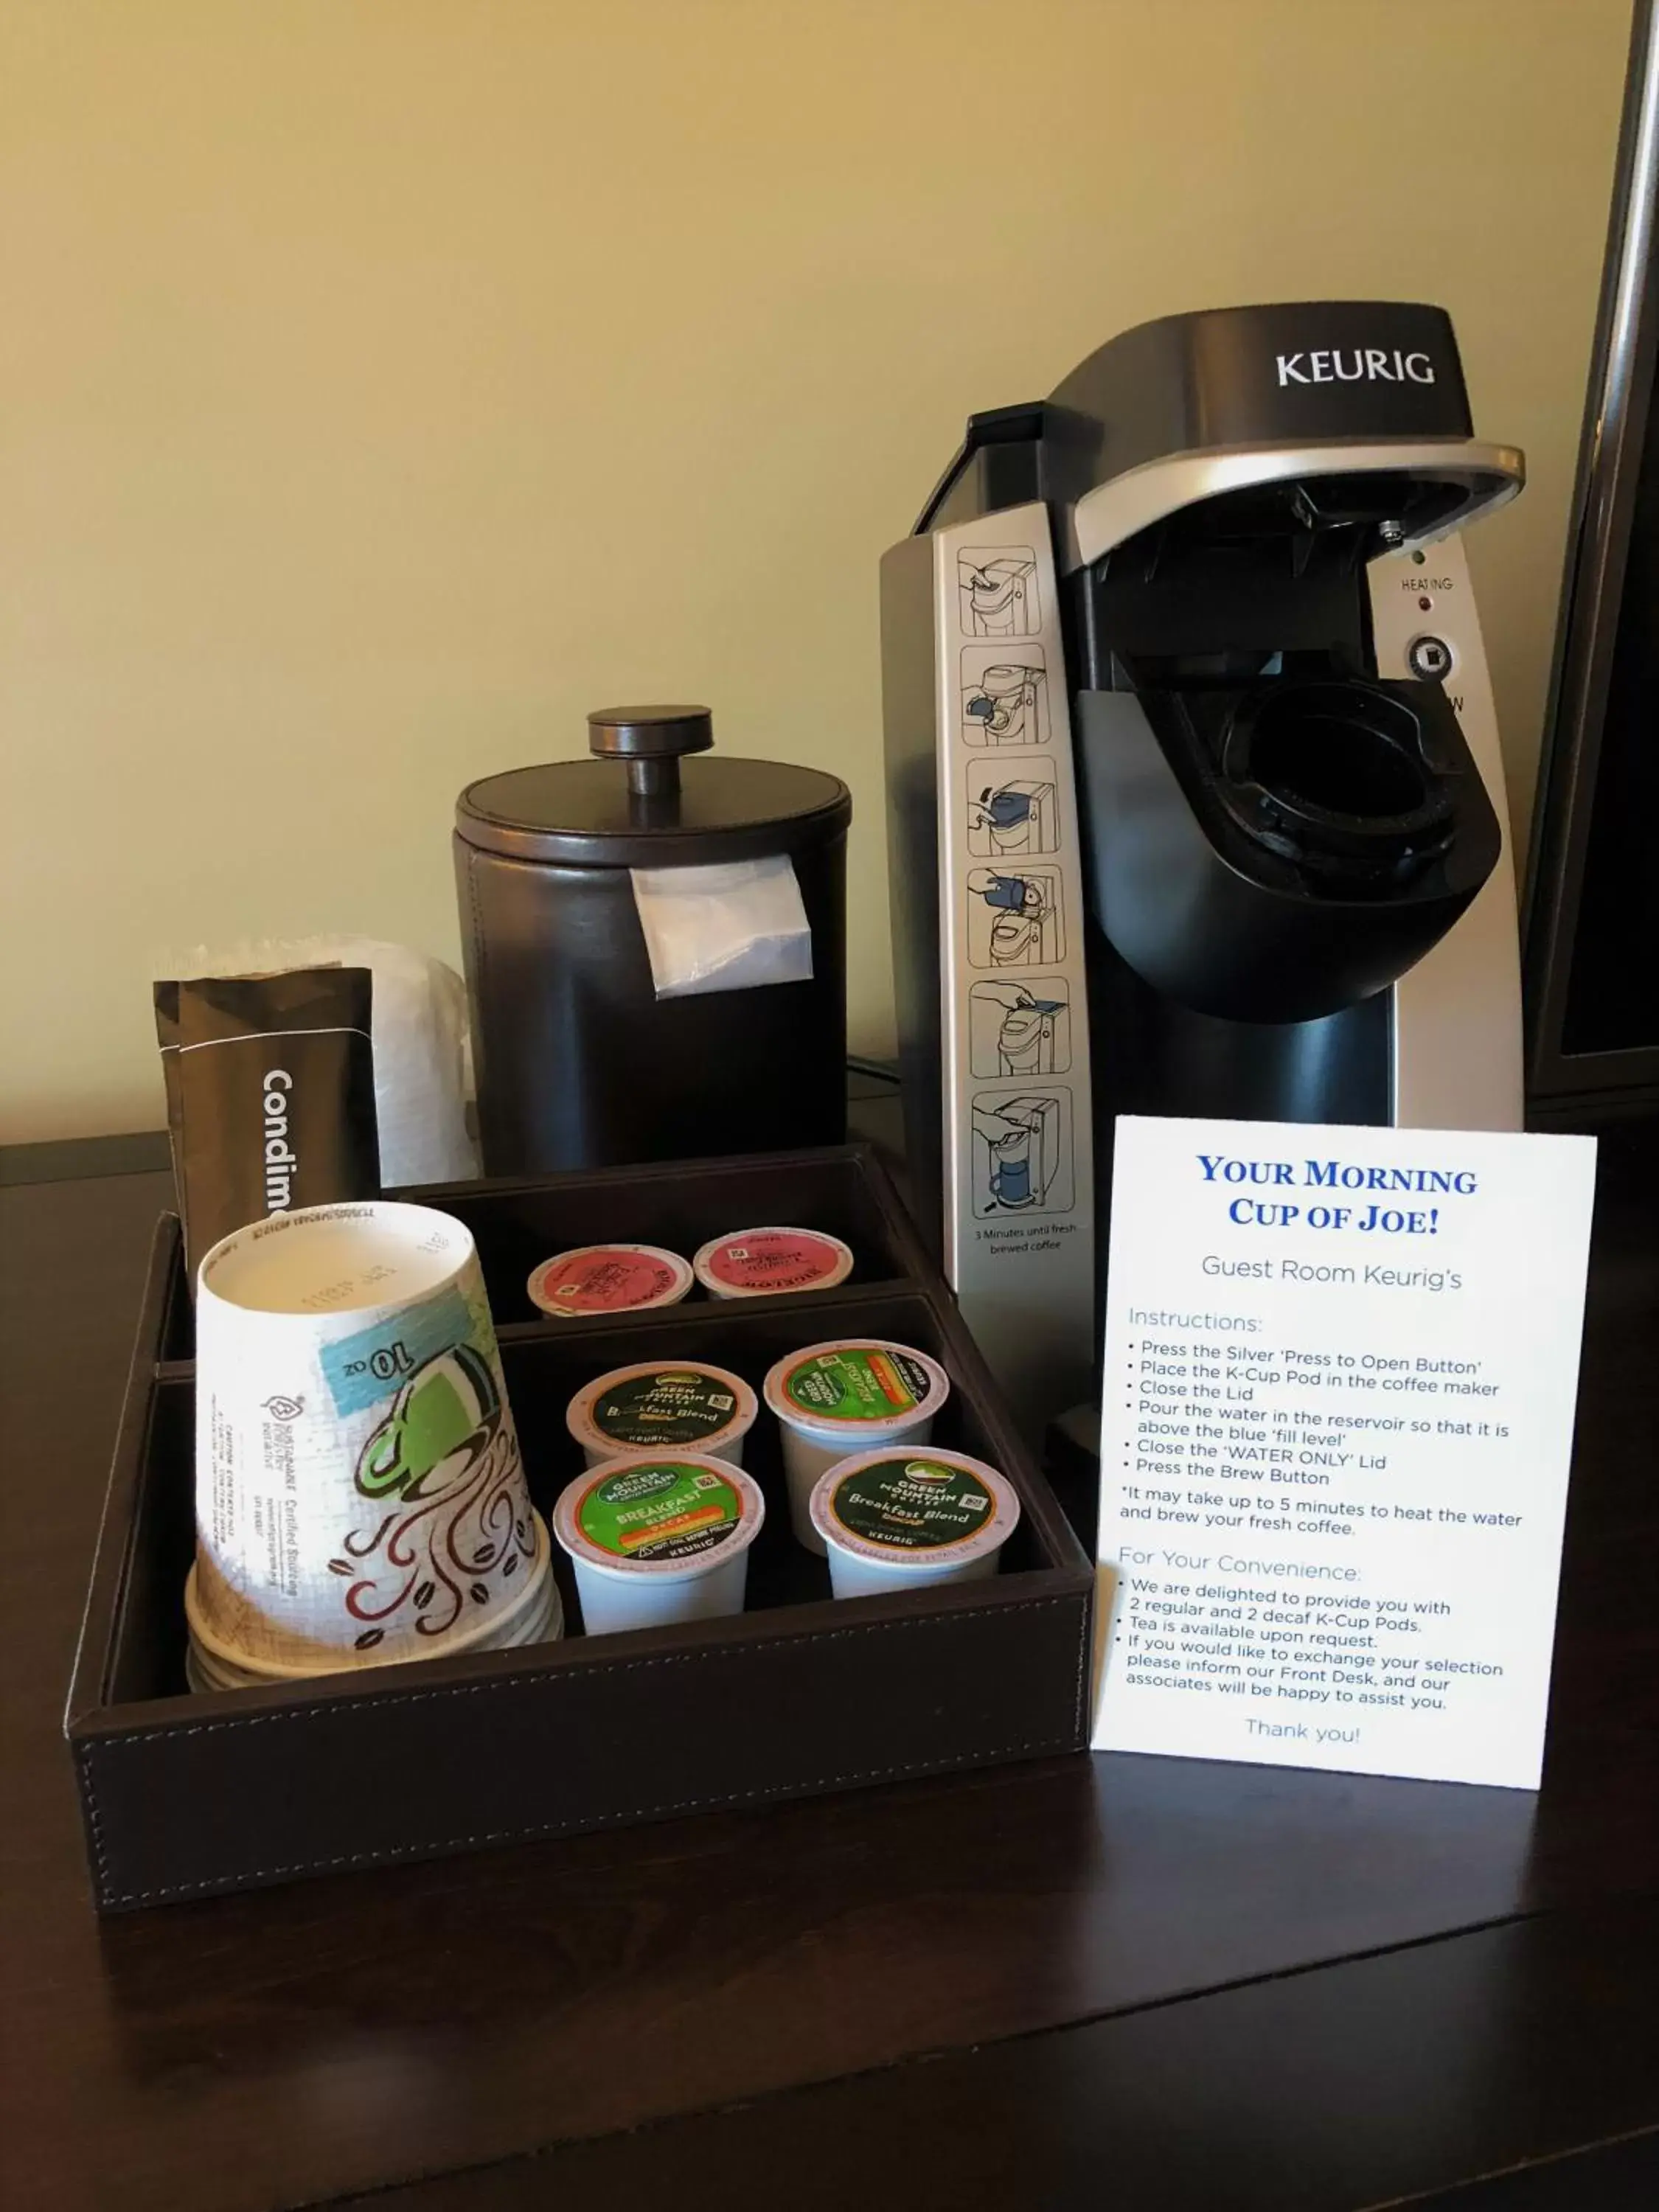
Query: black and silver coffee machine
[{"x": 1195, "y": 799}]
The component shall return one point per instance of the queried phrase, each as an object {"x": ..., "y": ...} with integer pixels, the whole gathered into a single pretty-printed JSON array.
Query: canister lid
[{"x": 642, "y": 802}]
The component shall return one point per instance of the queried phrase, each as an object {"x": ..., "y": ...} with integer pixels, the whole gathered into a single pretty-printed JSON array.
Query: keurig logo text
[{"x": 1359, "y": 365}]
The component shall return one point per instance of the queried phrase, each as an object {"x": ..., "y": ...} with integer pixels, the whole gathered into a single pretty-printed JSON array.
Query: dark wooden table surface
[{"x": 1144, "y": 1981}]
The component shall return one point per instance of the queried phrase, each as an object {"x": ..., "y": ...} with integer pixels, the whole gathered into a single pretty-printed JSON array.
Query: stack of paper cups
[{"x": 359, "y": 1492}]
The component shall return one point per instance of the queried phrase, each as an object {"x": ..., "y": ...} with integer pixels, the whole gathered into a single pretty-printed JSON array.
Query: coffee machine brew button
[{"x": 1429, "y": 658}]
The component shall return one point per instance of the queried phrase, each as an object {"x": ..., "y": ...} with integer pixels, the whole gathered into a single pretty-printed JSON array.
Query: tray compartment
[{"x": 841, "y": 1188}]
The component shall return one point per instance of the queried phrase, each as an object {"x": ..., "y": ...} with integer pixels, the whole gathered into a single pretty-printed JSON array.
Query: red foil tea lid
[
  {"x": 605, "y": 1278},
  {"x": 758, "y": 1263}
]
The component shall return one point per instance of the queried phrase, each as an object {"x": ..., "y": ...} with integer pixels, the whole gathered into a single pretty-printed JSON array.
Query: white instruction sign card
[{"x": 1341, "y": 1365}]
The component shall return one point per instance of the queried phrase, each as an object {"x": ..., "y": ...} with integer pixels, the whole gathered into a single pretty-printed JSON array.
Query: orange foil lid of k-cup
[
  {"x": 675, "y": 1513},
  {"x": 856, "y": 1386},
  {"x": 918, "y": 1508},
  {"x": 758, "y": 1263},
  {"x": 607, "y": 1279}
]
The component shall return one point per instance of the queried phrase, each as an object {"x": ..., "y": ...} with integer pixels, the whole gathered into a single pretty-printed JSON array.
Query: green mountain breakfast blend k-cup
[
  {"x": 896, "y": 1515},
  {"x": 860, "y": 1383},
  {"x": 658, "y": 1404}
]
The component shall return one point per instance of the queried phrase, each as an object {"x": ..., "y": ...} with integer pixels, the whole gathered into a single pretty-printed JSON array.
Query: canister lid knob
[{"x": 651, "y": 740}]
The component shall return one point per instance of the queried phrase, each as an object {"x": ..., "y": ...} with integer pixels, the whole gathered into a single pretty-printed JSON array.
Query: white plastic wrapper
[
  {"x": 729, "y": 927},
  {"x": 420, "y": 1037}
]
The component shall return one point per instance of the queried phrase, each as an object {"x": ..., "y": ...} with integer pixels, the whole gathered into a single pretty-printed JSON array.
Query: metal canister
[{"x": 580, "y": 1062}]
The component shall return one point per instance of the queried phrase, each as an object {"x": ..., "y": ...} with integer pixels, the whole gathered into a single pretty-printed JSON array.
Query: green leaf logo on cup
[
  {"x": 447, "y": 1403},
  {"x": 445, "y": 1461}
]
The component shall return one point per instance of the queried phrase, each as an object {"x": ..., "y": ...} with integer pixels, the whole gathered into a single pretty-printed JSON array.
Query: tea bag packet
[
  {"x": 726, "y": 927},
  {"x": 270, "y": 1096},
  {"x": 419, "y": 1029}
]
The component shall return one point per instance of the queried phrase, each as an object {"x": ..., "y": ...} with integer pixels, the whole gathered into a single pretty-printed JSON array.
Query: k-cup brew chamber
[{"x": 655, "y": 950}]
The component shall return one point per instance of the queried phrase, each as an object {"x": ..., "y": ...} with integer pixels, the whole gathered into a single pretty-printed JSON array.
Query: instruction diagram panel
[
  {"x": 1020, "y": 1029},
  {"x": 1014, "y": 917},
  {"x": 1011, "y": 815},
  {"x": 1022, "y": 1152},
  {"x": 1004, "y": 696},
  {"x": 997, "y": 587}
]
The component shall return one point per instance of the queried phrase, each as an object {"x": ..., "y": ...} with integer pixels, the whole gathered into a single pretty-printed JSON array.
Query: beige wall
[{"x": 385, "y": 382}]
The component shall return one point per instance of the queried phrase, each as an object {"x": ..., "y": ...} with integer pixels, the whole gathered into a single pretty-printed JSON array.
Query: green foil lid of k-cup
[
  {"x": 917, "y": 1508},
  {"x": 761, "y": 1263},
  {"x": 664, "y": 1515},
  {"x": 658, "y": 1403},
  {"x": 607, "y": 1279},
  {"x": 856, "y": 1386}
]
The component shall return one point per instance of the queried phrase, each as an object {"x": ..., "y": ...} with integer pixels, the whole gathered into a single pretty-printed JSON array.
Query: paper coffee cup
[
  {"x": 541, "y": 1623},
  {"x": 535, "y": 1615},
  {"x": 904, "y": 1520},
  {"x": 846, "y": 1396},
  {"x": 359, "y": 1492}
]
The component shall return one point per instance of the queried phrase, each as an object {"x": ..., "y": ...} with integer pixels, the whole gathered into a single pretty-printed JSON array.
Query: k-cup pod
[
  {"x": 662, "y": 1405},
  {"x": 900, "y": 1520},
  {"x": 658, "y": 1539},
  {"x": 608, "y": 1278},
  {"x": 359, "y": 1492},
  {"x": 761, "y": 1263},
  {"x": 846, "y": 1396}
]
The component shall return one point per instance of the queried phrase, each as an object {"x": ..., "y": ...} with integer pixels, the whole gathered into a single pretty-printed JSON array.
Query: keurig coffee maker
[{"x": 1196, "y": 804}]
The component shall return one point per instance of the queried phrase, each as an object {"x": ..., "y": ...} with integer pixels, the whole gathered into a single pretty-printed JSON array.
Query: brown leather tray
[{"x": 182, "y": 1797}]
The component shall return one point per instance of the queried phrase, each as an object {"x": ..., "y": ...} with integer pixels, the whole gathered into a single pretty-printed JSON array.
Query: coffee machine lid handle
[
  {"x": 1024, "y": 425},
  {"x": 1481, "y": 477}
]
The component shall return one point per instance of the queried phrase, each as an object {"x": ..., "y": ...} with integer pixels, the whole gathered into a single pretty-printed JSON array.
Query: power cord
[{"x": 882, "y": 1071}]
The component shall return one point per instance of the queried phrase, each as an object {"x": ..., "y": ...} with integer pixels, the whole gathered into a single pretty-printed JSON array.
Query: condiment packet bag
[{"x": 270, "y": 1096}]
